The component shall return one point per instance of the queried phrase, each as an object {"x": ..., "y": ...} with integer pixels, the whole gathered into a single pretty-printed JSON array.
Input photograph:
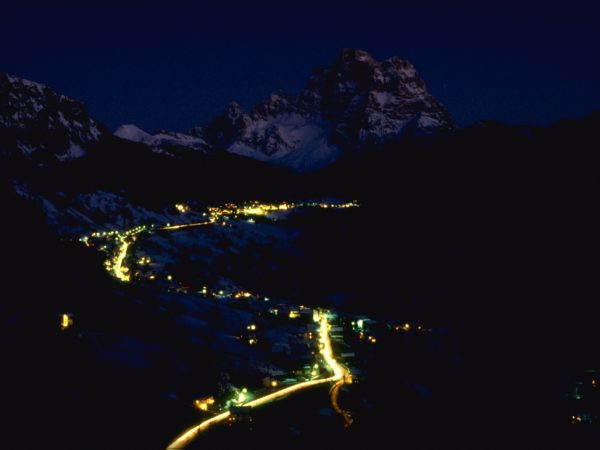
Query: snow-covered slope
[
  {"x": 288, "y": 139},
  {"x": 355, "y": 102},
  {"x": 41, "y": 124},
  {"x": 162, "y": 141}
]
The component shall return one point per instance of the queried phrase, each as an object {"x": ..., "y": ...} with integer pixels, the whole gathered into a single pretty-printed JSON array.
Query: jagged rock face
[
  {"x": 374, "y": 102},
  {"x": 356, "y": 101},
  {"x": 42, "y": 124},
  {"x": 224, "y": 128}
]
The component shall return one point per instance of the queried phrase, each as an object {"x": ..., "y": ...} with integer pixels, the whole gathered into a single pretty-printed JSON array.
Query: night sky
[{"x": 174, "y": 66}]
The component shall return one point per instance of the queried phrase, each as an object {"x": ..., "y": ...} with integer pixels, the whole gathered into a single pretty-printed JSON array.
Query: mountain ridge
[
  {"x": 355, "y": 103},
  {"x": 44, "y": 125}
]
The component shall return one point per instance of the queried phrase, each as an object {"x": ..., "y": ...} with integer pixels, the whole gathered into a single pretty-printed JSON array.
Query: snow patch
[
  {"x": 299, "y": 143},
  {"x": 135, "y": 134},
  {"x": 132, "y": 133},
  {"x": 73, "y": 152}
]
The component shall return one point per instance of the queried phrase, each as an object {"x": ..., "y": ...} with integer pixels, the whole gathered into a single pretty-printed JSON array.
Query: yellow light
[
  {"x": 340, "y": 374},
  {"x": 118, "y": 269},
  {"x": 170, "y": 277},
  {"x": 65, "y": 321},
  {"x": 182, "y": 208},
  {"x": 204, "y": 403},
  {"x": 294, "y": 314},
  {"x": 273, "y": 383},
  {"x": 256, "y": 211}
]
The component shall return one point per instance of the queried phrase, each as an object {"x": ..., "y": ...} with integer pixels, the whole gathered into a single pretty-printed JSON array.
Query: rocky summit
[
  {"x": 38, "y": 123},
  {"x": 354, "y": 103}
]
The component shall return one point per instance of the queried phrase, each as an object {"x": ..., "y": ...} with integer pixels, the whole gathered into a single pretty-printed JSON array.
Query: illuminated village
[{"x": 324, "y": 345}]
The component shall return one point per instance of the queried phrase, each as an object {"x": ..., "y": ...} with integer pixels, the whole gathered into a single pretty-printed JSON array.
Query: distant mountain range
[
  {"x": 361, "y": 129},
  {"x": 355, "y": 103}
]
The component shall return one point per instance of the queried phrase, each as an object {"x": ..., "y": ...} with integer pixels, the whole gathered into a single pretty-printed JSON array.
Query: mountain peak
[
  {"x": 234, "y": 109},
  {"x": 35, "y": 120},
  {"x": 355, "y": 102},
  {"x": 355, "y": 55}
]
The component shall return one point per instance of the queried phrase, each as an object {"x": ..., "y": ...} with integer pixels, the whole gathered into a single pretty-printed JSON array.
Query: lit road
[
  {"x": 334, "y": 393},
  {"x": 217, "y": 215},
  {"x": 119, "y": 243},
  {"x": 186, "y": 225},
  {"x": 340, "y": 374},
  {"x": 119, "y": 269}
]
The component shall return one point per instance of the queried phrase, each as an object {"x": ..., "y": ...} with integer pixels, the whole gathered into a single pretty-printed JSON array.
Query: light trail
[
  {"x": 185, "y": 225},
  {"x": 216, "y": 215},
  {"x": 119, "y": 270},
  {"x": 339, "y": 375},
  {"x": 116, "y": 266},
  {"x": 334, "y": 393}
]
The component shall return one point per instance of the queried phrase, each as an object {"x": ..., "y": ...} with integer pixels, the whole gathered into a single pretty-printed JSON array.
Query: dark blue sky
[{"x": 174, "y": 66}]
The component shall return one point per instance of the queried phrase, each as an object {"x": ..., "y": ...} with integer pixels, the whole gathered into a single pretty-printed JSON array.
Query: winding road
[{"x": 340, "y": 374}]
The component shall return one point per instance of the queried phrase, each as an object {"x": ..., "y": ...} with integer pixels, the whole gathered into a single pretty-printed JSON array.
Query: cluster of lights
[
  {"x": 217, "y": 214},
  {"x": 407, "y": 327},
  {"x": 582, "y": 418},
  {"x": 205, "y": 291},
  {"x": 115, "y": 264},
  {"x": 204, "y": 404},
  {"x": 352, "y": 204},
  {"x": 182, "y": 207},
  {"x": 242, "y": 397},
  {"x": 340, "y": 375}
]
